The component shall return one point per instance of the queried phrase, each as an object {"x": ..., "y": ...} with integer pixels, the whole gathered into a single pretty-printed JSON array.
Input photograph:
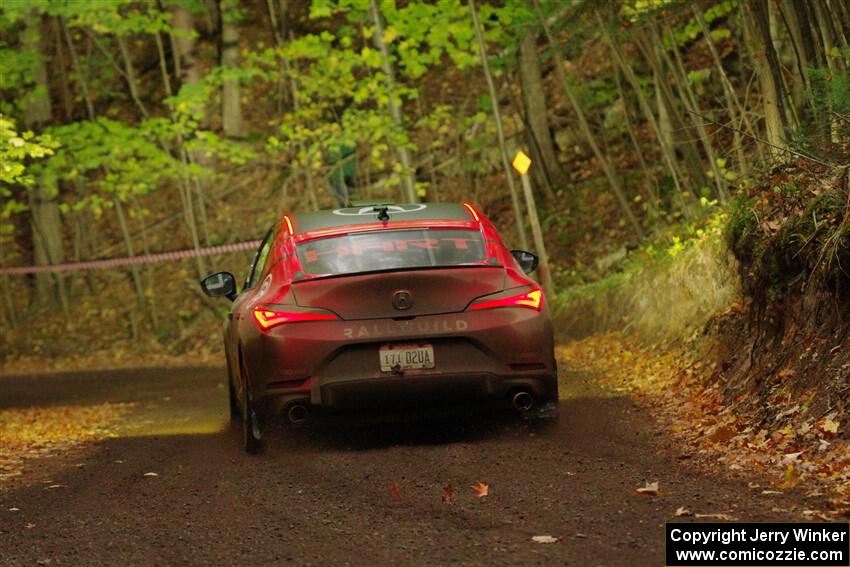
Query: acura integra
[{"x": 380, "y": 305}]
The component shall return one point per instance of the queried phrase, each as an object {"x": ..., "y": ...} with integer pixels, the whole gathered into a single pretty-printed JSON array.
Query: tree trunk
[
  {"x": 534, "y": 101},
  {"x": 650, "y": 44},
  {"x": 734, "y": 108},
  {"x": 807, "y": 39},
  {"x": 801, "y": 75},
  {"x": 497, "y": 116},
  {"x": 395, "y": 108},
  {"x": 824, "y": 20},
  {"x": 67, "y": 101},
  {"x": 128, "y": 242},
  {"x": 770, "y": 90},
  {"x": 772, "y": 71},
  {"x": 130, "y": 74},
  {"x": 649, "y": 178},
  {"x": 607, "y": 168},
  {"x": 45, "y": 220},
  {"x": 75, "y": 63},
  {"x": 187, "y": 67},
  {"x": 231, "y": 107},
  {"x": 667, "y": 150},
  {"x": 689, "y": 98}
]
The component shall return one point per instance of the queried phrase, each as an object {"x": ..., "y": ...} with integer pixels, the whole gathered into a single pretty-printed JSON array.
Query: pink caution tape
[{"x": 136, "y": 260}]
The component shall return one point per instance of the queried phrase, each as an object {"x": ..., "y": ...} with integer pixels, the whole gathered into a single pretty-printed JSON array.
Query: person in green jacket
[{"x": 343, "y": 174}]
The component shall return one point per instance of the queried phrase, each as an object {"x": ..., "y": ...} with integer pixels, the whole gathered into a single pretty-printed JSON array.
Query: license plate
[{"x": 394, "y": 358}]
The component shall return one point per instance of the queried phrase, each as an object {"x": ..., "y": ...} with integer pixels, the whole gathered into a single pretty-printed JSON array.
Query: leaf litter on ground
[
  {"x": 789, "y": 444},
  {"x": 28, "y": 434}
]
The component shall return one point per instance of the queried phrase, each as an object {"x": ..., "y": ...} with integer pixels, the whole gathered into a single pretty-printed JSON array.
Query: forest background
[{"x": 130, "y": 128}]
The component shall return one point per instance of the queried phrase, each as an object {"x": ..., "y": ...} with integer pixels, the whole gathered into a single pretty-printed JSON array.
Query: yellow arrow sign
[{"x": 521, "y": 162}]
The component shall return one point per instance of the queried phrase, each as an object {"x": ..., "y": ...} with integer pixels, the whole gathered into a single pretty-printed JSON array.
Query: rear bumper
[
  {"x": 435, "y": 390},
  {"x": 409, "y": 391},
  {"x": 335, "y": 364}
]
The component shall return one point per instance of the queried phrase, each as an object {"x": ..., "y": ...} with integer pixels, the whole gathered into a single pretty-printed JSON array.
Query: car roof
[{"x": 366, "y": 214}]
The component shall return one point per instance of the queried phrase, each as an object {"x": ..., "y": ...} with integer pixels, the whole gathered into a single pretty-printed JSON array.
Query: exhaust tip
[
  {"x": 298, "y": 414},
  {"x": 523, "y": 401}
]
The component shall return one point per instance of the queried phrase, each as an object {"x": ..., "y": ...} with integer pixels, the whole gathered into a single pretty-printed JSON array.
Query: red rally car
[{"x": 380, "y": 304}]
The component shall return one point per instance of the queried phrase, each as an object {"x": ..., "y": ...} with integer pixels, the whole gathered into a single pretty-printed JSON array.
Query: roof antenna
[{"x": 383, "y": 213}]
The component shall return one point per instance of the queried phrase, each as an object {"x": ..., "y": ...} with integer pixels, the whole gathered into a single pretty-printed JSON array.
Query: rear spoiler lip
[
  {"x": 384, "y": 226},
  {"x": 312, "y": 278}
]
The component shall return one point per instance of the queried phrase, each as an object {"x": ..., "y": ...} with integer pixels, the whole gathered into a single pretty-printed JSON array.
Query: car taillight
[
  {"x": 531, "y": 299},
  {"x": 267, "y": 317}
]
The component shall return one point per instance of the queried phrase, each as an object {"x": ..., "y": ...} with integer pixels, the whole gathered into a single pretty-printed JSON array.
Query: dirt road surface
[{"x": 321, "y": 495}]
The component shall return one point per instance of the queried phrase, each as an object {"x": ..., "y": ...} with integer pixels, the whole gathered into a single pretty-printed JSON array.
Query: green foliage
[
  {"x": 691, "y": 30},
  {"x": 110, "y": 158},
  {"x": 825, "y": 126},
  {"x": 17, "y": 151}
]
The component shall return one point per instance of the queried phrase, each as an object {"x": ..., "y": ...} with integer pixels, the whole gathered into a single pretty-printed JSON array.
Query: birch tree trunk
[
  {"x": 231, "y": 106},
  {"x": 187, "y": 67}
]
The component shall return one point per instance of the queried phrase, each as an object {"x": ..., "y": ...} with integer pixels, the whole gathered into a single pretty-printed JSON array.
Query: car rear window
[{"x": 391, "y": 250}]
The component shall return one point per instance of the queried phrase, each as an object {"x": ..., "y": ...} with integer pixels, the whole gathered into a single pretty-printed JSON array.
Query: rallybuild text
[{"x": 758, "y": 544}]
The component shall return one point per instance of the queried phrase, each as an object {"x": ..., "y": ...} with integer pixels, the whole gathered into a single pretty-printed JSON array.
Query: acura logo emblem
[{"x": 402, "y": 300}]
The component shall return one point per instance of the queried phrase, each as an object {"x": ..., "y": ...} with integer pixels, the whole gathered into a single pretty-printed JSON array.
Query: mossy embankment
[{"x": 756, "y": 309}]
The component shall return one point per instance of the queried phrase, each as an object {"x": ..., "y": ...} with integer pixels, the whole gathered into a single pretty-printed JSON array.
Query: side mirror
[
  {"x": 526, "y": 260},
  {"x": 220, "y": 284}
]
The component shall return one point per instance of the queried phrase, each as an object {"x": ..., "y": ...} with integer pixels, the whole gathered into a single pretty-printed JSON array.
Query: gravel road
[{"x": 320, "y": 495}]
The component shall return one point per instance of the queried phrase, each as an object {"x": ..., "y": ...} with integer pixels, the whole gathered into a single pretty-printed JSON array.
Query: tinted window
[{"x": 391, "y": 250}]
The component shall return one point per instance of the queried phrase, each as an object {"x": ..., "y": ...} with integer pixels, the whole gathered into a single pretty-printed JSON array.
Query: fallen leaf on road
[
  {"x": 33, "y": 433},
  {"x": 544, "y": 539},
  {"x": 682, "y": 511},
  {"x": 722, "y": 517},
  {"x": 54, "y": 486},
  {"x": 651, "y": 489},
  {"x": 790, "y": 478},
  {"x": 151, "y": 474},
  {"x": 789, "y": 458},
  {"x": 396, "y": 492},
  {"x": 480, "y": 489},
  {"x": 448, "y": 493},
  {"x": 29, "y": 525},
  {"x": 14, "y": 509},
  {"x": 771, "y": 492},
  {"x": 829, "y": 426}
]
